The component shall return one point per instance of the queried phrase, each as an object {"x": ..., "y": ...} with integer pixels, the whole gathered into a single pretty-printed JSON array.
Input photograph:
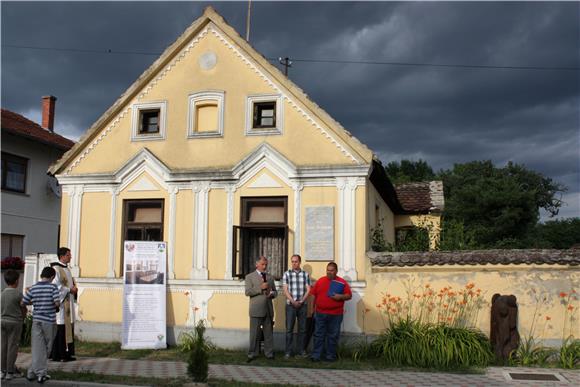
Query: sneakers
[
  {"x": 3, "y": 375},
  {"x": 42, "y": 379},
  {"x": 287, "y": 356},
  {"x": 303, "y": 354},
  {"x": 9, "y": 376}
]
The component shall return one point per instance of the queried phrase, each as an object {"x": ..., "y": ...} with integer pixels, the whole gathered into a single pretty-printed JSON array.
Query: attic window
[
  {"x": 206, "y": 114},
  {"x": 148, "y": 121},
  {"x": 264, "y": 115}
]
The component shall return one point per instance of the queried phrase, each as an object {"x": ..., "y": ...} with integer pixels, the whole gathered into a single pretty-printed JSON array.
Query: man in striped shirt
[
  {"x": 45, "y": 300},
  {"x": 296, "y": 285}
]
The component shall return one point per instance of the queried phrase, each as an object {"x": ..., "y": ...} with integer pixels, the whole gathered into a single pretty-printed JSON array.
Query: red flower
[
  {"x": 14, "y": 263},
  {"x": 563, "y": 295}
]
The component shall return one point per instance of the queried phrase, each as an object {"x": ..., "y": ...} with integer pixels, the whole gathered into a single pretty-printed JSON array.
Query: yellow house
[{"x": 216, "y": 152}]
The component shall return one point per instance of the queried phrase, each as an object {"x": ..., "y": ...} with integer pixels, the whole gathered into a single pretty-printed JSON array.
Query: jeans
[
  {"x": 293, "y": 314},
  {"x": 326, "y": 331}
]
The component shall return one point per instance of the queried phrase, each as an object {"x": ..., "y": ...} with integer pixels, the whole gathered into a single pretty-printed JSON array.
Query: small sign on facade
[{"x": 319, "y": 233}]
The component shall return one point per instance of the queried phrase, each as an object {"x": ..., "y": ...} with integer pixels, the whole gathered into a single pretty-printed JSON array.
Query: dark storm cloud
[{"x": 443, "y": 115}]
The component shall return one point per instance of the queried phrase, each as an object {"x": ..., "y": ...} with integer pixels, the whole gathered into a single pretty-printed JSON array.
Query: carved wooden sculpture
[{"x": 504, "y": 334}]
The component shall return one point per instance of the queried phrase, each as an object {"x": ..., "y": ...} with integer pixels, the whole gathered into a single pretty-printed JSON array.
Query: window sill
[{"x": 8, "y": 191}]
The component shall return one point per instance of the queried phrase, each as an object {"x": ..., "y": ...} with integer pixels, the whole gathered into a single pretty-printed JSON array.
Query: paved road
[{"x": 494, "y": 376}]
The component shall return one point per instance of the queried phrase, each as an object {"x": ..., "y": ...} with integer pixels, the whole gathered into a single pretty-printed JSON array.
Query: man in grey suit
[{"x": 261, "y": 289}]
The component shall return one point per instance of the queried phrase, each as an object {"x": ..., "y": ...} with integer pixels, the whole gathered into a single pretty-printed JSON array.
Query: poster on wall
[{"x": 144, "y": 292}]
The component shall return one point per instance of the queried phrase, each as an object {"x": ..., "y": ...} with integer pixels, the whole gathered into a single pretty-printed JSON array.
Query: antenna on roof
[{"x": 248, "y": 20}]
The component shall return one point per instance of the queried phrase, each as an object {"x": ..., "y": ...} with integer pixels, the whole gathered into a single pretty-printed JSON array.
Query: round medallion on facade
[{"x": 208, "y": 60}]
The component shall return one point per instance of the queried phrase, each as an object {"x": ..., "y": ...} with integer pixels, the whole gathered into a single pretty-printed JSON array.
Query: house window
[
  {"x": 14, "y": 173},
  {"x": 263, "y": 231},
  {"x": 264, "y": 115},
  {"x": 148, "y": 121},
  {"x": 206, "y": 114},
  {"x": 12, "y": 245},
  {"x": 143, "y": 220}
]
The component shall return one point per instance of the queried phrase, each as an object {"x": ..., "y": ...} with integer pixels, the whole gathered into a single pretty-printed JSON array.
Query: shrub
[
  {"x": 415, "y": 344},
  {"x": 25, "y": 337},
  {"x": 569, "y": 354},
  {"x": 531, "y": 353},
  {"x": 197, "y": 348}
]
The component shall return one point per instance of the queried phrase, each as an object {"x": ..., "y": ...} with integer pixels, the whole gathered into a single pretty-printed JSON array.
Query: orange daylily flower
[{"x": 570, "y": 307}]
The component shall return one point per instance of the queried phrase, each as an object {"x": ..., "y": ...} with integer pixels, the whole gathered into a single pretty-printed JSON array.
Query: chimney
[{"x": 48, "y": 103}]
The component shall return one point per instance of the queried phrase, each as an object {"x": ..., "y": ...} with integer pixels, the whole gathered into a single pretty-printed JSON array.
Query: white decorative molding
[
  {"x": 265, "y": 181},
  {"x": 136, "y": 108},
  {"x": 200, "y": 224},
  {"x": 97, "y": 140},
  {"x": 350, "y": 321},
  {"x": 347, "y": 227},
  {"x": 264, "y": 157},
  {"x": 171, "y": 237},
  {"x": 279, "y": 115},
  {"x": 198, "y": 302},
  {"x": 230, "y": 191},
  {"x": 143, "y": 161},
  {"x": 144, "y": 184},
  {"x": 112, "y": 233},
  {"x": 74, "y": 227},
  {"x": 297, "y": 187},
  {"x": 215, "y": 96},
  {"x": 207, "y": 60}
]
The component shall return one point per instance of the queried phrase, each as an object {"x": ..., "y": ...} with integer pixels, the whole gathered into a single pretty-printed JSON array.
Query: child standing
[
  {"x": 45, "y": 300},
  {"x": 12, "y": 318}
]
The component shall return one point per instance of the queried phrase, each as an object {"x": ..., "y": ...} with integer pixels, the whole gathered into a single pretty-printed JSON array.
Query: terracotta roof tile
[
  {"x": 476, "y": 257},
  {"x": 425, "y": 196},
  {"x": 21, "y": 126}
]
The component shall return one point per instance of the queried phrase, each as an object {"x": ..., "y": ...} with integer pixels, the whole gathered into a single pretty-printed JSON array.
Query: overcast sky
[{"x": 443, "y": 115}]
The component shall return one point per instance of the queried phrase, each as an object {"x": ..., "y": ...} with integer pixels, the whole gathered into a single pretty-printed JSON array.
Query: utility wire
[{"x": 337, "y": 61}]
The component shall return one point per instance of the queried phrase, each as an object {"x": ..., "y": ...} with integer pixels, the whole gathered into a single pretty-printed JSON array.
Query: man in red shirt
[{"x": 331, "y": 292}]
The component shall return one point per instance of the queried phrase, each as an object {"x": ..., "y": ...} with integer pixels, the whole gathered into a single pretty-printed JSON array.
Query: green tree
[
  {"x": 498, "y": 206},
  {"x": 556, "y": 234},
  {"x": 409, "y": 171}
]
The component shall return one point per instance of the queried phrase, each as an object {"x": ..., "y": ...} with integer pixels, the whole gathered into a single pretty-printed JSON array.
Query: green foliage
[
  {"x": 25, "y": 337},
  {"x": 197, "y": 348},
  {"x": 569, "y": 354},
  {"x": 454, "y": 236},
  {"x": 555, "y": 234},
  {"x": 498, "y": 206},
  {"x": 531, "y": 353},
  {"x": 412, "y": 239},
  {"x": 409, "y": 171},
  {"x": 415, "y": 344},
  {"x": 378, "y": 242}
]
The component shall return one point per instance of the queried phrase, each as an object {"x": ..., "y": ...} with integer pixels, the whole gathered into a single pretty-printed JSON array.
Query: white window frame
[
  {"x": 216, "y": 96},
  {"x": 137, "y": 108},
  {"x": 250, "y": 100}
]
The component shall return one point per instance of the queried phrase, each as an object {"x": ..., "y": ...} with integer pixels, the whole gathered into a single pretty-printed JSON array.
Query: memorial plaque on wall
[{"x": 319, "y": 234}]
